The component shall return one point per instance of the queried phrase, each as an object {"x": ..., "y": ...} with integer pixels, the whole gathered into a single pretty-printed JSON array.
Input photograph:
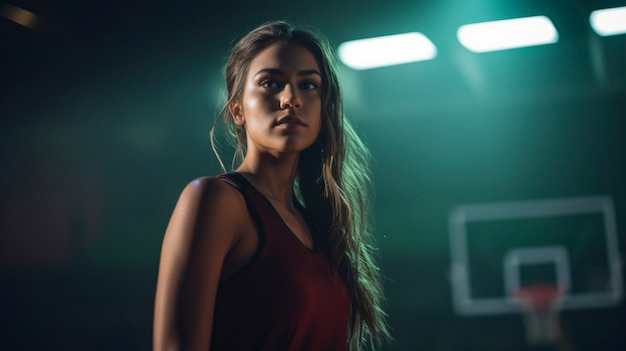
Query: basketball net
[{"x": 540, "y": 306}]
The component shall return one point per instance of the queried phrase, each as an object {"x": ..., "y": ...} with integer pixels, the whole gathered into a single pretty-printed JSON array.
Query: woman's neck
[{"x": 272, "y": 176}]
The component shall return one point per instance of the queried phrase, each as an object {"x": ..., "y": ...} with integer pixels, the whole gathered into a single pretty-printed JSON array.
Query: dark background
[{"x": 106, "y": 108}]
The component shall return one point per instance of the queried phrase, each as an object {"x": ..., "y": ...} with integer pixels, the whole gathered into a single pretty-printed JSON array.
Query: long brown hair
[{"x": 333, "y": 181}]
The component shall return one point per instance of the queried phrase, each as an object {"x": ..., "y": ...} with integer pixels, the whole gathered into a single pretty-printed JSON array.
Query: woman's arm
[{"x": 204, "y": 226}]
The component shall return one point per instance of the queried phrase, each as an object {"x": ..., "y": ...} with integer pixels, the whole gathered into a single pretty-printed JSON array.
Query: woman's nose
[{"x": 289, "y": 97}]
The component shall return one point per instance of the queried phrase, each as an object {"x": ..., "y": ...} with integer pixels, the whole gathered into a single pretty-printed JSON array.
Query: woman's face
[{"x": 281, "y": 107}]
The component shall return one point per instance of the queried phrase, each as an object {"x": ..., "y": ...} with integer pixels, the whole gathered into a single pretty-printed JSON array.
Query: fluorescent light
[
  {"x": 386, "y": 50},
  {"x": 609, "y": 21},
  {"x": 19, "y": 15},
  {"x": 507, "y": 34}
]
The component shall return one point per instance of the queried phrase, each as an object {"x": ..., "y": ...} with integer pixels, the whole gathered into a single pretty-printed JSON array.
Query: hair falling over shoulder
[{"x": 333, "y": 182}]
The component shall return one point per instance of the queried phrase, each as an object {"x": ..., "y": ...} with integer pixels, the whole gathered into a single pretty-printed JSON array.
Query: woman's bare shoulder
[
  {"x": 211, "y": 192},
  {"x": 208, "y": 205}
]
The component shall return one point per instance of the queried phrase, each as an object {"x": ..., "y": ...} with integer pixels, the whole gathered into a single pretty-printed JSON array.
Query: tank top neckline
[{"x": 248, "y": 184}]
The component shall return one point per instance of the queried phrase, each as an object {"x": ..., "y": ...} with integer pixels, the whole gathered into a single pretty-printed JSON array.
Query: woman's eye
[
  {"x": 309, "y": 85},
  {"x": 269, "y": 84}
]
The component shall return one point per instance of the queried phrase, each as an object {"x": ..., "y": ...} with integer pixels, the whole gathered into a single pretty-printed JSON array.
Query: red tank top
[{"x": 287, "y": 298}]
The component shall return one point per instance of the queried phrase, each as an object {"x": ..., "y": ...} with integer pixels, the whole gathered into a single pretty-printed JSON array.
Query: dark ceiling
[{"x": 78, "y": 43}]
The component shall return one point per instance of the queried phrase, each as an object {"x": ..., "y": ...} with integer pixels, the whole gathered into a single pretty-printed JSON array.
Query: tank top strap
[
  {"x": 238, "y": 182},
  {"x": 265, "y": 210}
]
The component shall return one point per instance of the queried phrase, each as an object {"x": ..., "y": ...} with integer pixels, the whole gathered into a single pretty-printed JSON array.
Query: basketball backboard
[{"x": 498, "y": 248}]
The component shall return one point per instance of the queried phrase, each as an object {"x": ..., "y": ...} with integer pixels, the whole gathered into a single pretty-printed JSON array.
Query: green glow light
[
  {"x": 609, "y": 21},
  {"x": 386, "y": 51},
  {"x": 507, "y": 34}
]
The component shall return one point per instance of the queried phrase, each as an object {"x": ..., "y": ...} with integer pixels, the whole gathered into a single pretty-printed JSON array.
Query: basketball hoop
[{"x": 540, "y": 305}]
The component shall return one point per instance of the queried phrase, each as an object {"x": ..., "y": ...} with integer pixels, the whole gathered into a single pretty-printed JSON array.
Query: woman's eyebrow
[
  {"x": 278, "y": 72},
  {"x": 309, "y": 72}
]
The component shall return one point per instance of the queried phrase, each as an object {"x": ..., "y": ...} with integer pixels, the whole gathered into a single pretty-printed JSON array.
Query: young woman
[{"x": 276, "y": 255}]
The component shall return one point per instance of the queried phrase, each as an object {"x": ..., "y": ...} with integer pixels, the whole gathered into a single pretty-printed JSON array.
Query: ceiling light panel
[
  {"x": 607, "y": 22},
  {"x": 507, "y": 34},
  {"x": 386, "y": 51}
]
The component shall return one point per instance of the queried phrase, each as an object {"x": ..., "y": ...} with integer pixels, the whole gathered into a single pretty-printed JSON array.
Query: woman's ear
[{"x": 237, "y": 112}]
